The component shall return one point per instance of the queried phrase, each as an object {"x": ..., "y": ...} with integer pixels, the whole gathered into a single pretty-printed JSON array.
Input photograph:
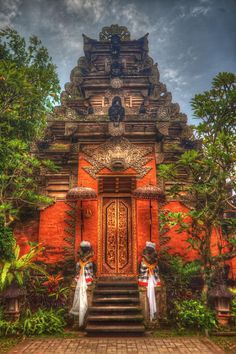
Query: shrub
[
  {"x": 178, "y": 277},
  {"x": 194, "y": 314},
  {"x": 233, "y": 311},
  {"x": 47, "y": 292},
  {"x": 7, "y": 242},
  {"x": 10, "y": 328},
  {"x": 43, "y": 322},
  {"x": 40, "y": 322}
]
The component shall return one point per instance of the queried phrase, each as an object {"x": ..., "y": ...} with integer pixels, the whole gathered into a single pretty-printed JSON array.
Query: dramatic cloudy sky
[{"x": 191, "y": 40}]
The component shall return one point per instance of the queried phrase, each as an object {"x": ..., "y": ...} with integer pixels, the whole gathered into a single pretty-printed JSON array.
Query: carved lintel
[{"x": 118, "y": 149}]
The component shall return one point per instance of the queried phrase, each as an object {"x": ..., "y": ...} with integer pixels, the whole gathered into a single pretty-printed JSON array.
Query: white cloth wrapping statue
[
  {"x": 151, "y": 296},
  {"x": 84, "y": 270},
  {"x": 80, "y": 303},
  {"x": 149, "y": 276}
]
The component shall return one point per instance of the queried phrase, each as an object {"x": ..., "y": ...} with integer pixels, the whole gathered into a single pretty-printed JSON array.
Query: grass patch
[
  {"x": 65, "y": 334},
  {"x": 166, "y": 333},
  {"x": 7, "y": 343},
  {"x": 228, "y": 344}
]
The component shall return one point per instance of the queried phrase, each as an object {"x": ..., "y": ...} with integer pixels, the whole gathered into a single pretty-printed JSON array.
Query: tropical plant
[
  {"x": 47, "y": 291},
  {"x": 194, "y": 314},
  {"x": 178, "y": 276},
  {"x": 29, "y": 88},
  {"x": 55, "y": 290},
  {"x": 211, "y": 171},
  {"x": 10, "y": 328},
  {"x": 7, "y": 241},
  {"x": 18, "y": 269},
  {"x": 233, "y": 308},
  {"x": 43, "y": 322}
]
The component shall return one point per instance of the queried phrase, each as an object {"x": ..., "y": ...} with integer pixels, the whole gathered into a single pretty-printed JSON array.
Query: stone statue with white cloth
[
  {"x": 149, "y": 275},
  {"x": 84, "y": 277}
]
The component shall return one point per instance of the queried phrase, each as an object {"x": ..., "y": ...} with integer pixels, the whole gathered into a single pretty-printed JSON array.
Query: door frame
[{"x": 133, "y": 233}]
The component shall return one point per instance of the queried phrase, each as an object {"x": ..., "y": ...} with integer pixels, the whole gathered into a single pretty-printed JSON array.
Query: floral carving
[
  {"x": 107, "y": 32},
  {"x": 118, "y": 149}
]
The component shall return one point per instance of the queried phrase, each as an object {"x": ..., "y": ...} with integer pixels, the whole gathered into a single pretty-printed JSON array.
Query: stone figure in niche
[
  {"x": 85, "y": 269},
  {"x": 116, "y": 111},
  {"x": 115, "y": 46},
  {"x": 116, "y": 68},
  {"x": 144, "y": 106},
  {"x": 149, "y": 275},
  {"x": 89, "y": 107}
]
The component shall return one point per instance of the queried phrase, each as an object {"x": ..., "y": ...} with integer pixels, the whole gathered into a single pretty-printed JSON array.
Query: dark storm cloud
[{"x": 192, "y": 40}]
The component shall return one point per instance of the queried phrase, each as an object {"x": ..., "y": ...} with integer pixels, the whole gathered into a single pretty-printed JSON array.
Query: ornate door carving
[{"x": 117, "y": 236}]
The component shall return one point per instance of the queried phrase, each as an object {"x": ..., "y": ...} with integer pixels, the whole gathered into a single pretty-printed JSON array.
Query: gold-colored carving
[
  {"x": 110, "y": 254},
  {"x": 107, "y": 32},
  {"x": 123, "y": 241},
  {"x": 119, "y": 149},
  {"x": 131, "y": 268}
]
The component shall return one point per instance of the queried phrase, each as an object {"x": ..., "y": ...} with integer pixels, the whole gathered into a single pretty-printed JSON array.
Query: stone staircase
[{"x": 115, "y": 308}]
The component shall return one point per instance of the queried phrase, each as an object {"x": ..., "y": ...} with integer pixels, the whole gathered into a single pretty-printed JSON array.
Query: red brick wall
[
  {"x": 52, "y": 232},
  {"x": 177, "y": 244},
  {"x": 52, "y": 224},
  {"x": 25, "y": 233}
]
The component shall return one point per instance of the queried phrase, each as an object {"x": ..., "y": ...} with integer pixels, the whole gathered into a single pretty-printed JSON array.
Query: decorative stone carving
[
  {"x": 116, "y": 130},
  {"x": 118, "y": 149},
  {"x": 116, "y": 83},
  {"x": 116, "y": 111},
  {"x": 107, "y": 32},
  {"x": 163, "y": 127},
  {"x": 70, "y": 128}
]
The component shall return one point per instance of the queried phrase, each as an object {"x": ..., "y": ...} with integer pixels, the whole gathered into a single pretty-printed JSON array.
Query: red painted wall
[
  {"x": 52, "y": 232},
  {"x": 25, "y": 233},
  {"x": 52, "y": 225}
]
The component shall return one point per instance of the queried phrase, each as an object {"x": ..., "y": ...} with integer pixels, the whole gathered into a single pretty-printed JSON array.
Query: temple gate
[{"x": 115, "y": 125}]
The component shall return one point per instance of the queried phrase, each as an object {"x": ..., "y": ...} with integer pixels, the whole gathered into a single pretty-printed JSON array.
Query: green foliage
[
  {"x": 178, "y": 277},
  {"x": 7, "y": 243},
  {"x": 44, "y": 322},
  {"x": 233, "y": 308},
  {"x": 211, "y": 172},
  {"x": 48, "y": 291},
  {"x": 29, "y": 85},
  {"x": 41, "y": 322},
  {"x": 194, "y": 314},
  {"x": 29, "y": 88},
  {"x": 19, "y": 268},
  {"x": 10, "y": 328}
]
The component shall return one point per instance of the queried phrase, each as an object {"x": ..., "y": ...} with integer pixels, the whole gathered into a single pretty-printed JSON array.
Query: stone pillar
[
  {"x": 161, "y": 305},
  {"x": 71, "y": 298}
]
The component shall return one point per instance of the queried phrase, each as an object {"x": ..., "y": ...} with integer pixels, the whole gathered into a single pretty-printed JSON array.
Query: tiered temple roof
[{"x": 115, "y": 65}]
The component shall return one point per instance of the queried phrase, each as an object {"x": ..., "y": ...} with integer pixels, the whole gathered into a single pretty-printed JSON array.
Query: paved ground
[{"x": 117, "y": 346}]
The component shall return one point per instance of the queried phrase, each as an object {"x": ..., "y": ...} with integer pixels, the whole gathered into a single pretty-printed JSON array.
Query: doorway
[{"x": 117, "y": 253}]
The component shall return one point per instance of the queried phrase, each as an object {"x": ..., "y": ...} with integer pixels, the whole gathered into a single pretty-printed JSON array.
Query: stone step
[
  {"x": 116, "y": 291},
  {"x": 138, "y": 328},
  {"x": 115, "y": 309},
  {"x": 116, "y": 279},
  {"x": 115, "y": 318},
  {"x": 118, "y": 284},
  {"x": 115, "y": 299}
]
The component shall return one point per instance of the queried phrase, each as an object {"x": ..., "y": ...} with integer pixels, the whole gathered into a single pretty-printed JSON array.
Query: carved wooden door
[{"x": 117, "y": 236}]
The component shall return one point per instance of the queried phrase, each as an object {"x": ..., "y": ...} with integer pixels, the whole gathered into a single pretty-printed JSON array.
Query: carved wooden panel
[
  {"x": 121, "y": 184},
  {"x": 117, "y": 238}
]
